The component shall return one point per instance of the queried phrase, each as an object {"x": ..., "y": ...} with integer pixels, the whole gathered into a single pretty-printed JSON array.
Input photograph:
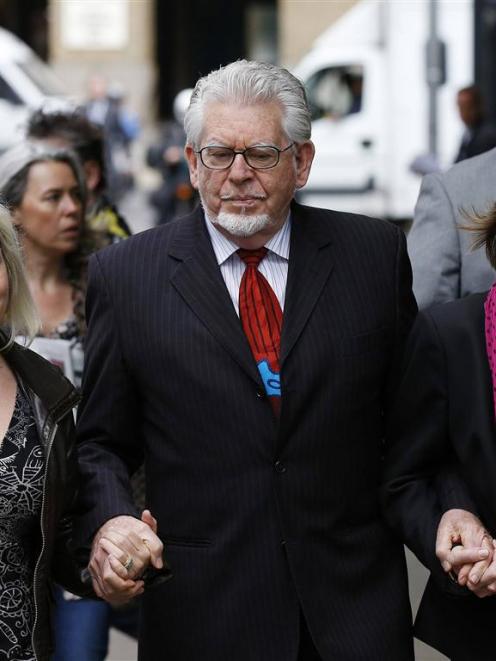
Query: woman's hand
[{"x": 466, "y": 551}]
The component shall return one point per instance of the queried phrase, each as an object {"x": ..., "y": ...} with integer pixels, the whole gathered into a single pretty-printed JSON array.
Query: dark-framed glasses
[{"x": 258, "y": 157}]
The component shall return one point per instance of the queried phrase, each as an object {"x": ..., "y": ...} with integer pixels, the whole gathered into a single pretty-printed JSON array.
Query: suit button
[
  {"x": 280, "y": 467},
  {"x": 260, "y": 394}
]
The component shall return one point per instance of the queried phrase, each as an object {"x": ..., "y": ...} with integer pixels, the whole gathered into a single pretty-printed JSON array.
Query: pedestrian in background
[
  {"x": 480, "y": 134},
  {"x": 175, "y": 196},
  {"x": 72, "y": 130},
  {"x": 445, "y": 265},
  {"x": 45, "y": 192},
  {"x": 105, "y": 107}
]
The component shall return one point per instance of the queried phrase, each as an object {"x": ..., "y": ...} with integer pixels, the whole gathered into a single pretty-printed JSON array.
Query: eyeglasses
[{"x": 261, "y": 157}]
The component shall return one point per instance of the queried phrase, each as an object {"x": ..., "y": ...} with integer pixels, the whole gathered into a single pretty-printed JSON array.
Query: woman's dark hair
[
  {"x": 76, "y": 262},
  {"x": 74, "y": 129},
  {"x": 14, "y": 189}
]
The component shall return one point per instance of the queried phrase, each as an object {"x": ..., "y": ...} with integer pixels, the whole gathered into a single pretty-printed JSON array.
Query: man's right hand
[{"x": 122, "y": 549}]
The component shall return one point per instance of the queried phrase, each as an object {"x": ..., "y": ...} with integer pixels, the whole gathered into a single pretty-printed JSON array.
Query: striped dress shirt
[{"x": 274, "y": 266}]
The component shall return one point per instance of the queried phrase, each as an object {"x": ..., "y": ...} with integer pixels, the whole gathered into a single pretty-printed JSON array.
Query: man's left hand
[{"x": 121, "y": 551}]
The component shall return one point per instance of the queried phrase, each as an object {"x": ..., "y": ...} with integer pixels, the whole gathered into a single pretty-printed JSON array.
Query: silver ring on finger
[{"x": 128, "y": 565}]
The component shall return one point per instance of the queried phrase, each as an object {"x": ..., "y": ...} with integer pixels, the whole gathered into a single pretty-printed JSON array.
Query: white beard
[{"x": 243, "y": 226}]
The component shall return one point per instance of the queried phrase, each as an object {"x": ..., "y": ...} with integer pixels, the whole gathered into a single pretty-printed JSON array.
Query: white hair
[
  {"x": 21, "y": 317},
  {"x": 250, "y": 83}
]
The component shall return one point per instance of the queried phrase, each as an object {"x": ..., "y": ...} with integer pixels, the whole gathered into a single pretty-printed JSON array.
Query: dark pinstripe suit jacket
[{"x": 259, "y": 518}]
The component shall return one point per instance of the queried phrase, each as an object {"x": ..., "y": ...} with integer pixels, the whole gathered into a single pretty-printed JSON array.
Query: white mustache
[{"x": 231, "y": 196}]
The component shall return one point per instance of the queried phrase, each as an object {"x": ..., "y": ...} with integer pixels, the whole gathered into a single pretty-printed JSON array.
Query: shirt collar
[{"x": 224, "y": 248}]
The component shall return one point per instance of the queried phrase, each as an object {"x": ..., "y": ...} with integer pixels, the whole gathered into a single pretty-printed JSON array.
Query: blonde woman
[
  {"x": 45, "y": 191},
  {"x": 38, "y": 472}
]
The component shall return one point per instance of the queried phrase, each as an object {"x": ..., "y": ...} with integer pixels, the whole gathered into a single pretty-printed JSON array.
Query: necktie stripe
[
  {"x": 253, "y": 320},
  {"x": 274, "y": 317},
  {"x": 266, "y": 313}
]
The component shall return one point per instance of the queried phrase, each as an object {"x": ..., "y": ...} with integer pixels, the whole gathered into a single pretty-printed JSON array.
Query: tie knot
[{"x": 252, "y": 257}]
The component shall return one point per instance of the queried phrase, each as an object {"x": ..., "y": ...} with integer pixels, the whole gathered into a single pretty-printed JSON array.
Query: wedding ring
[
  {"x": 453, "y": 577},
  {"x": 129, "y": 563}
]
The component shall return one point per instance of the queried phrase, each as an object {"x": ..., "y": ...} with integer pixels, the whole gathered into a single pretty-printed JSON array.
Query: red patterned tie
[{"x": 261, "y": 317}]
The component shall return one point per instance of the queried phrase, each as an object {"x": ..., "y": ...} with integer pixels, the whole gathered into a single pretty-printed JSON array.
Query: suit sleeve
[
  {"x": 406, "y": 303},
  {"x": 434, "y": 246},
  {"x": 420, "y": 481},
  {"x": 405, "y": 313},
  {"x": 109, "y": 447}
]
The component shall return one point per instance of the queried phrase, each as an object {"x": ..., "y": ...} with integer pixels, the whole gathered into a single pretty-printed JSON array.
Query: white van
[
  {"x": 367, "y": 85},
  {"x": 26, "y": 83}
]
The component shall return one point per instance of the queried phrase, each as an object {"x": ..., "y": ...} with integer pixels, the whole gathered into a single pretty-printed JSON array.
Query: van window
[
  {"x": 39, "y": 74},
  {"x": 335, "y": 91},
  {"x": 8, "y": 94}
]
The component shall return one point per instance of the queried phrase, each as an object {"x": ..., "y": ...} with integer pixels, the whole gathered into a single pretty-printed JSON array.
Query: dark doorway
[
  {"x": 28, "y": 20},
  {"x": 485, "y": 52},
  {"x": 193, "y": 37}
]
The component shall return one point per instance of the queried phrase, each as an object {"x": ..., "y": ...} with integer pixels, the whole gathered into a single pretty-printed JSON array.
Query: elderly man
[{"x": 248, "y": 352}]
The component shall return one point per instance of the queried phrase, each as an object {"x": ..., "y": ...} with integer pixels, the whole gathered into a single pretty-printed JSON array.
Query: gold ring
[{"x": 129, "y": 563}]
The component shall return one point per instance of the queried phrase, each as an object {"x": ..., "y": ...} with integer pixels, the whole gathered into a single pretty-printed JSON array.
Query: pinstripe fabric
[
  {"x": 274, "y": 267},
  {"x": 260, "y": 518}
]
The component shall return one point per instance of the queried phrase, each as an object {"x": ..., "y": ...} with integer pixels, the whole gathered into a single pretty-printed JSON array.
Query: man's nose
[{"x": 240, "y": 168}]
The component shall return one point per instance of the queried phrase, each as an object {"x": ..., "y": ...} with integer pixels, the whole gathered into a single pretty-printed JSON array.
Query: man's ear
[
  {"x": 304, "y": 157},
  {"x": 192, "y": 159},
  {"x": 92, "y": 174}
]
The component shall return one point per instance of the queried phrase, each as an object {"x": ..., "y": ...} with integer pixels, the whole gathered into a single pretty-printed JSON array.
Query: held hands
[
  {"x": 467, "y": 552},
  {"x": 122, "y": 549}
]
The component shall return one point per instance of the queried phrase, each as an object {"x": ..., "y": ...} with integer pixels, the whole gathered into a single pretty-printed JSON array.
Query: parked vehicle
[
  {"x": 26, "y": 83},
  {"x": 366, "y": 78}
]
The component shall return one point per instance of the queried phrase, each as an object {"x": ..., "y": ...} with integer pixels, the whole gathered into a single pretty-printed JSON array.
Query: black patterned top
[{"x": 22, "y": 464}]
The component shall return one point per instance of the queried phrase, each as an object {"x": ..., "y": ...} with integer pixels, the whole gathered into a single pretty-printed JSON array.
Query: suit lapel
[
  {"x": 310, "y": 266},
  {"x": 199, "y": 281}
]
